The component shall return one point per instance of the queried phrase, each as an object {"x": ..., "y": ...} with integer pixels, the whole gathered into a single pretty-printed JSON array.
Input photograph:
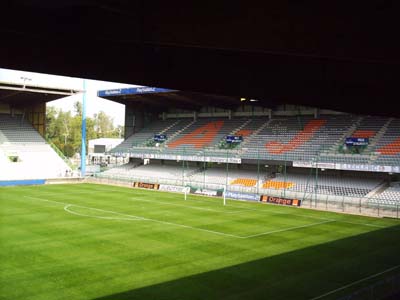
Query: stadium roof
[
  {"x": 13, "y": 93},
  {"x": 160, "y": 98},
  {"x": 342, "y": 55}
]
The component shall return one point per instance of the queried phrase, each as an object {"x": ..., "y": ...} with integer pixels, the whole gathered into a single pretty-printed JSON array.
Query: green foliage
[
  {"x": 13, "y": 158},
  {"x": 63, "y": 128}
]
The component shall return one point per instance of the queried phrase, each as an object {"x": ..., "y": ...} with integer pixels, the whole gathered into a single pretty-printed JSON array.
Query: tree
[
  {"x": 103, "y": 125},
  {"x": 64, "y": 129}
]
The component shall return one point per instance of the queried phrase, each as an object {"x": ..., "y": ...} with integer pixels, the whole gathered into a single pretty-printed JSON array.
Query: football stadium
[
  {"x": 260, "y": 156},
  {"x": 216, "y": 197}
]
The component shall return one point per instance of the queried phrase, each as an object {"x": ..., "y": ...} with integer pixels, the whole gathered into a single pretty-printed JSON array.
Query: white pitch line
[
  {"x": 181, "y": 205},
  {"x": 355, "y": 282},
  {"x": 142, "y": 218},
  {"x": 196, "y": 228},
  {"x": 67, "y": 209},
  {"x": 268, "y": 212},
  {"x": 288, "y": 229}
]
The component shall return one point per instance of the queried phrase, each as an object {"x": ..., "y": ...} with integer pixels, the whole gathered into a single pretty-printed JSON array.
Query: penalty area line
[
  {"x": 137, "y": 217},
  {"x": 67, "y": 209},
  {"x": 288, "y": 229}
]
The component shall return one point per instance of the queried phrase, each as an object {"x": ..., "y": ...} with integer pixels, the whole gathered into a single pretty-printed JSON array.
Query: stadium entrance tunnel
[{"x": 334, "y": 270}]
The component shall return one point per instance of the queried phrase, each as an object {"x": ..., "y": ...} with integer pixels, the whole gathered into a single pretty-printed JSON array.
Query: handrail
[{"x": 61, "y": 155}]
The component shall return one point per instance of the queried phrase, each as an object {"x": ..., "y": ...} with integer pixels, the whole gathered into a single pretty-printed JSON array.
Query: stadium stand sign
[
  {"x": 132, "y": 91},
  {"x": 144, "y": 185},
  {"x": 354, "y": 141},
  {"x": 234, "y": 139},
  {"x": 310, "y": 164},
  {"x": 233, "y": 160},
  {"x": 280, "y": 201},
  {"x": 160, "y": 137},
  {"x": 347, "y": 167},
  {"x": 242, "y": 196},
  {"x": 173, "y": 188},
  {"x": 370, "y": 168}
]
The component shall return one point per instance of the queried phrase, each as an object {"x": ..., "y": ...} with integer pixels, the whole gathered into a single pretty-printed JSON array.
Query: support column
[{"x": 83, "y": 143}]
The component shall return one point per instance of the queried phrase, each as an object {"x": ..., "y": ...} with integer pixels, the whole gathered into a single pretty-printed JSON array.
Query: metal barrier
[{"x": 353, "y": 205}]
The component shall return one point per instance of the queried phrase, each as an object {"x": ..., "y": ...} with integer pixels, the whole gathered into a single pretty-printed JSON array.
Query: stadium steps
[
  {"x": 380, "y": 134},
  {"x": 255, "y": 133},
  {"x": 334, "y": 148},
  {"x": 173, "y": 136},
  {"x": 240, "y": 127},
  {"x": 169, "y": 127},
  {"x": 378, "y": 190}
]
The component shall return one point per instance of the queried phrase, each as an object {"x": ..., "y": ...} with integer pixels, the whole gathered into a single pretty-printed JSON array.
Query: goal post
[{"x": 224, "y": 194}]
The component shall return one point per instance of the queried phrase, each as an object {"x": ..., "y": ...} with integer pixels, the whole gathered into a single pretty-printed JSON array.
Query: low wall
[
  {"x": 22, "y": 182},
  {"x": 64, "y": 180}
]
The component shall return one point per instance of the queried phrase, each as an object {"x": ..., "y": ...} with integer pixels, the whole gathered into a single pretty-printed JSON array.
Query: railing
[
  {"x": 61, "y": 155},
  {"x": 371, "y": 206}
]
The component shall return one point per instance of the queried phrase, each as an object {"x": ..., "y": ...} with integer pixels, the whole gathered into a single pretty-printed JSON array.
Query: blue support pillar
[{"x": 83, "y": 145}]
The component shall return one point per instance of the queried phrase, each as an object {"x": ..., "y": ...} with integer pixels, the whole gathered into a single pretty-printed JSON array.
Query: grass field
[{"x": 103, "y": 242}]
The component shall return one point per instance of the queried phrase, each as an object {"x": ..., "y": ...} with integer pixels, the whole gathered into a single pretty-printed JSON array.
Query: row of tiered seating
[
  {"x": 328, "y": 184},
  {"x": 148, "y": 132},
  {"x": 153, "y": 172},
  {"x": 390, "y": 196},
  {"x": 282, "y": 138},
  {"x": 296, "y": 180},
  {"x": 388, "y": 146},
  {"x": 296, "y": 139},
  {"x": 222, "y": 176},
  {"x": 204, "y": 133},
  {"x": 35, "y": 158}
]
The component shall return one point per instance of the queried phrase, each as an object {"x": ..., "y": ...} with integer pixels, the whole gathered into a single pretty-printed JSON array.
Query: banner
[
  {"x": 355, "y": 141},
  {"x": 234, "y": 139},
  {"x": 143, "y": 185},
  {"x": 160, "y": 137},
  {"x": 133, "y": 91},
  {"x": 206, "y": 192},
  {"x": 201, "y": 158},
  {"x": 280, "y": 201},
  {"x": 309, "y": 164},
  {"x": 242, "y": 196},
  {"x": 173, "y": 188}
]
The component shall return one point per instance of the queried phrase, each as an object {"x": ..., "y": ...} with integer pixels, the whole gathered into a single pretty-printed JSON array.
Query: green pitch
[{"x": 103, "y": 242}]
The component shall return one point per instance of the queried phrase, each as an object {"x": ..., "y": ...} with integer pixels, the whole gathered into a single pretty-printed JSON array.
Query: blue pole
[{"x": 83, "y": 145}]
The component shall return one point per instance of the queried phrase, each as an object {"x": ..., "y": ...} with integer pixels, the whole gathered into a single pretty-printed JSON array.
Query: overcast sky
[{"x": 94, "y": 103}]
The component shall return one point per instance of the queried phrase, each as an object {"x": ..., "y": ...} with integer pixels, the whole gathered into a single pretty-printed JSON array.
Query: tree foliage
[{"x": 63, "y": 128}]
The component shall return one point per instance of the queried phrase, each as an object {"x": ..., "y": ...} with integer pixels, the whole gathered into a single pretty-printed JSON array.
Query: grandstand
[
  {"x": 24, "y": 153},
  {"x": 29, "y": 156},
  {"x": 289, "y": 151}
]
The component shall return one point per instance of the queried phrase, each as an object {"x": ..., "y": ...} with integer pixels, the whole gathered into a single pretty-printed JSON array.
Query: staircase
[
  {"x": 256, "y": 132},
  {"x": 374, "y": 155},
  {"x": 349, "y": 132},
  {"x": 169, "y": 127},
  {"x": 240, "y": 127},
  {"x": 178, "y": 132}
]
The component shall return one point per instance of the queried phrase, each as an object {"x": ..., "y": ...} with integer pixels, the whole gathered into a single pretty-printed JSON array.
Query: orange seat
[
  {"x": 244, "y": 181},
  {"x": 277, "y": 184},
  {"x": 299, "y": 139},
  {"x": 391, "y": 149},
  {"x": 200, "y": 137},
  {"x": 244, "y": 132},
  {"x": 363, "y": 133}
]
